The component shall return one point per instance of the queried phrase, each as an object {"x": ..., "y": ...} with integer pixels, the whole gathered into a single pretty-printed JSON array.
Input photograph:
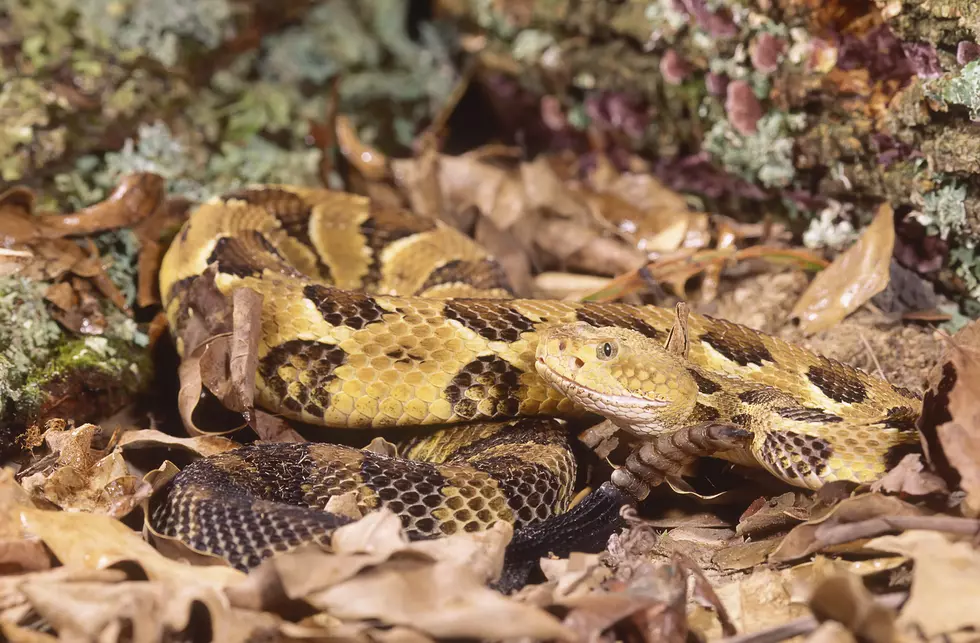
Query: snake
[{"x": 373, "y": 317}]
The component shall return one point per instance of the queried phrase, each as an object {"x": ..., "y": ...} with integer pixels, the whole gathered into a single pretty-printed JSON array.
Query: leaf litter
[{"x": 893, "y": 561}]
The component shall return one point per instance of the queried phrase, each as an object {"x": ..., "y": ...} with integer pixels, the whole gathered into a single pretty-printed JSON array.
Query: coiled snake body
[{"x": 374, "y": 318}]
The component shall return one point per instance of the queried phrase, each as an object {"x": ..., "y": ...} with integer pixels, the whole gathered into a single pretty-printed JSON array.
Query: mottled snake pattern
[{"x": 373, "y": 317}]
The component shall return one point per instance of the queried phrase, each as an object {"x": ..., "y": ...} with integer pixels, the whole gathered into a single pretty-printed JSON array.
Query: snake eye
[{"x": 606, "y": 350}]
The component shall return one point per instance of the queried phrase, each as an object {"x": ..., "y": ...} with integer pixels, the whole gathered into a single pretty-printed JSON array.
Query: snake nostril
[{"x": 562, "y": 344}]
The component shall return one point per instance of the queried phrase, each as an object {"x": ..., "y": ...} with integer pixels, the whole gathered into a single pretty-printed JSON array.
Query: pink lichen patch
[
  {"x": 922, "y": 56},
  {"x": 742, "y": 107},
  {"x": 765, "y": 52},
  {"x": 674, "y": 68},
  {"x": 716, "y": 84},
  {"x": 967, "y": 52}
]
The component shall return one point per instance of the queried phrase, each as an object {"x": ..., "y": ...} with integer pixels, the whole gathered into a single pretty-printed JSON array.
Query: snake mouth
[{"x": 581, "y": 393}]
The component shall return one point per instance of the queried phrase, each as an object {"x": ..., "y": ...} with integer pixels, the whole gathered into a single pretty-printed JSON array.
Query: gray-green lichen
[
  {"x": 24, "y": 127},
  {"x": 765, "y": 156},
  {"x": 34, "y": 351},
  {"x": 965, "y": 262},
  {"x": 963, "y": 89},
  {"x": 831, "y": 228},
  {"x": 154, "y": 27},
  {"x": 119, "y": 250},
  {"x": 944, "y": 210},
  {"x": 28, "y": 335},
  {"x": 665, "y": 20}
]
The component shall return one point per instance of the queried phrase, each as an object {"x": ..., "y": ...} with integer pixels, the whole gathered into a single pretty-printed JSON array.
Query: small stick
[{"x": 867, "y": 346}]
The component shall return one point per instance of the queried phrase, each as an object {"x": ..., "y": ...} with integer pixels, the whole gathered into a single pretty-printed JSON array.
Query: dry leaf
[
  {"x": 844, "y": 598},
  {"x": 202, "y": 446},
  {"x": 136, "y": 197},
  {"x": 374, "y": 573},
  {"x": 958, "y": 432},
  {"x": 272, "y": 428},
  {"x": 945, "y": 582},
  {"x": 853, "y": 278},
  {"x": 755, "y": 602},
  {"x": 82, "y": 479},
  {"x": 442, "y": 599},
  {"x": 833, "y": 528},
  {"x": 910, "y": 478},
  {"x": 145, "y": 612},
  {"x": 831, "y": 632},
  {"x": 660, "y": 220},
  {"x": 95, "y": 542},
  {"x": 765, "y": 517}
]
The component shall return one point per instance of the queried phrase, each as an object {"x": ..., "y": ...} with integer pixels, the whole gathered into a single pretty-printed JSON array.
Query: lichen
[
  {"x": 665, "y": 20},
  {"x": 530, "y": 45},
  {"x": 24, "y": 133},
  {"x": 765, "y": 156},
  {"x": 155, "y": 27},
  {"x": 331, "y": 39},
  {"x": 965, "y": 262},
  {"x": 120, "y": 249},
  {"x": 28, "y": 334},
  {"x": 963, "y": 88},
  {"x": 830, "y": 228},
  {"x": 944, "y": 210}
]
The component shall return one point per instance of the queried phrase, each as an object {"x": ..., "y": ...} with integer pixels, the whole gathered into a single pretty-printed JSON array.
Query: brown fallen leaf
[
  {"x": 854, "y": 277},
  {"x": 765, "y": 517},
  {"x": 833, "y": 528},
  {"x": 844, "y": 598},
  {"x": 374, "y": 574},
  {"x": 77, "y": 307},
  {"x": 220, "y": 351},
  {"x": 136, "y": 197},
  {"x": 659, "y": 220},
  {"x": 366, "y": 159},
  {"x": 82, "y": 478},
  {"x": 945, "y": 583},
  {"x": 549, "y": 219},
  {"x": 755, "y": 602},
  {"x": 203, "y": 446},
  {"x": 23, "y": 555},
  {"x": 17, "y": 221},
  {"x": 92, "y": 541},
  {"x": 950, "y": 422},
  {"x": 97, "y": 611},
  {"x": 14, "y": 261},
  {"x": 909, "y": 478}
]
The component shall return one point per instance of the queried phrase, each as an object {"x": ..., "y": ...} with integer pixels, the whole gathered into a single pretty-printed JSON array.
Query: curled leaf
[{"x": 857, "y": 275}]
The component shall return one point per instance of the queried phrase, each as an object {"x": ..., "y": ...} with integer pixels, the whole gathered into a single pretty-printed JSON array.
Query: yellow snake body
[{"x": 373, "y": 317}]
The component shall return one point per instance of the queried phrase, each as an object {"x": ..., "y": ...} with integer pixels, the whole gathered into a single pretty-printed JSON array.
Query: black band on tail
[{"x": 586, "y": 527}]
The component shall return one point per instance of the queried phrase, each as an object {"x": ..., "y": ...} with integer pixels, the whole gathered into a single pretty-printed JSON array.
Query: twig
[{"x": 874, "y": 358}]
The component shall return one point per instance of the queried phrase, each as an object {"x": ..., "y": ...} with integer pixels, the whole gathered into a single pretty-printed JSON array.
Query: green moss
[
  {"x": 98, "y": 360},
  {"x": 766, "y": 156}
]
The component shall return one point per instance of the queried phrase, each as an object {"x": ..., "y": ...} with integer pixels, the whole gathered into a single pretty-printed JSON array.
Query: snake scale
[{"x": 373, "y": 317}]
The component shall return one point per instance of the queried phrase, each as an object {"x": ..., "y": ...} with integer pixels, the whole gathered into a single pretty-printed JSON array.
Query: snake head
[{"x": 618, "y": 373}]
